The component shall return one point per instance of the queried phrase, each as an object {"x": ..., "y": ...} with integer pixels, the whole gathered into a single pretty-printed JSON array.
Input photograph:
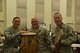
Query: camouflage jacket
[
  {"x": 69, "y": 35},
  {"x": 43, "y": 39},
  {"x": 67, "y": 39},
  {"x": 11, "y": 37}
]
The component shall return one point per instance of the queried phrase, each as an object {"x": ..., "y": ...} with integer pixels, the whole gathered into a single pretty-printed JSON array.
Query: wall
[
  {"x": 47, "y": 13},
  {"x": 2, "y": 15},
  {"x": 30, "y": 12},
  {"x": 11, "y": 8},
  {"x": 12, "y": 11}
]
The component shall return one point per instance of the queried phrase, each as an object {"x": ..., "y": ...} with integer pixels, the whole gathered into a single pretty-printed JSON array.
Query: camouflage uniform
[
  {"x": 67, "y": 40},
  {"x": 11, "y": 41},
  {"x": 43, "y": 40}
]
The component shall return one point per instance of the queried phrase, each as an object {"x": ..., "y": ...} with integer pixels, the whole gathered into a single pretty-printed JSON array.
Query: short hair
[
  {"x": 58, "y": 13},
  {"x": 15, "y": 18},
  {"x": 34, "y": 18}
]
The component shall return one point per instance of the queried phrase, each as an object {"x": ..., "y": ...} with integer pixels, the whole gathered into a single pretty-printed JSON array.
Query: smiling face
[
  {"x": 16, "y": 22},
  {"x": 35, "y": 23},
  {"x": 57, "y": 19}
]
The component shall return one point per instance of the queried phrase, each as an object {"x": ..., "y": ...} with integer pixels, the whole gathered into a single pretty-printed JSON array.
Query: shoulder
[
  {"x": 65, "y": 26},
  {"x": 8, "y": 29},
  {"x": 43, "y": 29}
]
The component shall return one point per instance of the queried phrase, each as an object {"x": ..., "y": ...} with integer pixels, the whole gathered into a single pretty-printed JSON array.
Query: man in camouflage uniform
[
  {"x": 43, "y": 42},
  {"x": 68, "y": 36},
  {"x": 11, "y": 37}
]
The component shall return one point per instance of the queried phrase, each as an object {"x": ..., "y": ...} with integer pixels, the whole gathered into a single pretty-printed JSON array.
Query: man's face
[
  {"x": 35, "y": 23},
  {"x": 57, "y": 19},
  {"x": 16, "y": 22}
]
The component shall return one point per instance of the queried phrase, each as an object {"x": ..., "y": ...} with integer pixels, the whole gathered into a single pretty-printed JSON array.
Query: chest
[{"x": 63, "y": 32}]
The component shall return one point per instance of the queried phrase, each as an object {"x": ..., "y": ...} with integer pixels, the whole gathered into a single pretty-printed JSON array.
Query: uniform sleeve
[
  {"x": 70, "y": 37},
  {"x": 48, "y": 38},
  {"x": 9, "y": 35}
]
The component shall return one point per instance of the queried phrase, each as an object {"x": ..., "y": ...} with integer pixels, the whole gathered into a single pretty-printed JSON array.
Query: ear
[
  {"x": 31, "y": 22},
  {"x": 12, "y": 21},
  {"x": 61, "y": 17},
  {"x": 38, "y": 22}
]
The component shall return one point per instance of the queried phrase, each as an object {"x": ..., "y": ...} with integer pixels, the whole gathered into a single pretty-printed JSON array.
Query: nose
[{"x": 57, "y": 18}]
